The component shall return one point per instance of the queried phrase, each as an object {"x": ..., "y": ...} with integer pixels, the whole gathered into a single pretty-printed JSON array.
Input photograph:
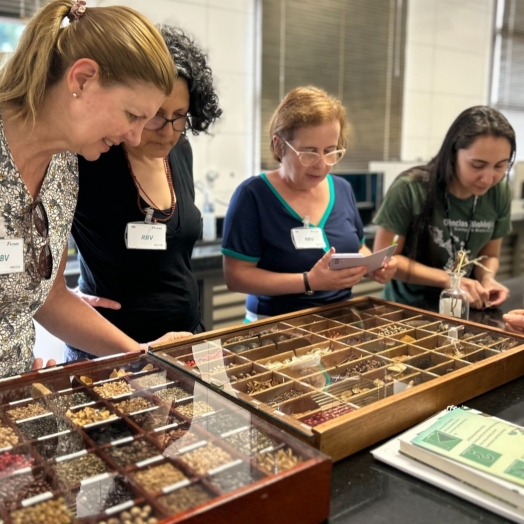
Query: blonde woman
[
  {"x": 81, "y": 80},
  {"x": 268, "y": 253}
]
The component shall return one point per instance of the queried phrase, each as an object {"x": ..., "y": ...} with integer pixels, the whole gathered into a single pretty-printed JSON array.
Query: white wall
[
  {"x": 226, "y": 30},
  {"x": 448, "y": 68}
]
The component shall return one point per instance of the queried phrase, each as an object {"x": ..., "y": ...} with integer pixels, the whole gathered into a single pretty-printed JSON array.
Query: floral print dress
[{"x": 21, "y": 294}]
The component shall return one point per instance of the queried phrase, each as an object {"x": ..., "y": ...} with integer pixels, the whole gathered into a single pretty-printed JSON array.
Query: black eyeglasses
[
  {"x": 157, "y": 123},
  {"x": 42, "y": 267}
]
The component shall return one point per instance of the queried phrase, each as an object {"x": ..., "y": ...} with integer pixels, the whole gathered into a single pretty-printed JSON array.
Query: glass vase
[{"x": 454, "y": 300}]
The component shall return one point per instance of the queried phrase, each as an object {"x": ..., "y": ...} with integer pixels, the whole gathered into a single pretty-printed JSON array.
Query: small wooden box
[{"x": 380, "y": 368}]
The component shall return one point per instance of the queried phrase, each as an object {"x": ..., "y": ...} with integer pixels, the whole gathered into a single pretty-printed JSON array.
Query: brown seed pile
[
  {"x": 206, "y": 457},
  {"x": 31, "y": 410},
  {"x": 276, "y": 461},
  {"x": 7, "y": 437},
  {"x": 242, "y": 376},
  {"x": 133, "y": 452},
  {"x": 364, "y": 367},
  {"x": 113, "y": 389},
  {"x": 287, "y": 395},
  {"x": 255, "y": 386},
  {"x": 250, "y": 441},
  {"x": 151, "y": 380},
  {"x": 185, "y": 498},
  {"x": 134, "y": 404},
  {"x": 89, "y": 416},
  {"x": 71, "y": 472},
  {"x": 170, "y": 394},
  {"x": 53, "y": 510},
  {"x": 195, "y": 409},
  {"x": 154, "y": 478}
]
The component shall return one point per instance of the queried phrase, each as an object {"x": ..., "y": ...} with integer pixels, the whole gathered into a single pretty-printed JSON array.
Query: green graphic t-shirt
[{"x": 491, "y": 220}]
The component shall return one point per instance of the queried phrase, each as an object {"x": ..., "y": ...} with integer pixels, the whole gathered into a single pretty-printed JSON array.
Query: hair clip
[{"x": 75, "y": 13}]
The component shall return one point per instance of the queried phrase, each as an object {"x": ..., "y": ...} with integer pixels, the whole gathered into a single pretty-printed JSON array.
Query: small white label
[
  {"x": 121, "y": 441},
  {"x": 24, "y": 420},
  {"x": 6, "y": 449},
  {"x": 53, "y": 368},
  {"x": 173, "y": 487},
  {"x": 65, "y": 390},
  {"x": 164, "y": 428},
  {"x": 150, "y": 460},
  {"x": 23, "y": 471},
  {"x": 219, "y": 469},
  {"x": 451, "y": 307},
  {"x": 162, "y": 385},
  {"x": 142, "y": 410},
  {"x": 20, "y": 401},
  {"x": 36, "y": 499},
  {"x": 96, "y": 478},
  {"x": 10, "y": 378},
  {"x": 72, "y": 456},
  {"x": 193, "y": 446},
  {"x": 101, "y": 422},
  {"x": 47, "y": 437},
  {"x": 234, "y": 431},
  {"x": 120, "y": 507}
]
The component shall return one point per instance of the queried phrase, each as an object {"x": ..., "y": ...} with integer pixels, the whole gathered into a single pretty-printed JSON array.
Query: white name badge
[
  {"x": 11, "y": 255},
  {"x": 140, "y": 235},
  {"x": 308, "y": 238}
]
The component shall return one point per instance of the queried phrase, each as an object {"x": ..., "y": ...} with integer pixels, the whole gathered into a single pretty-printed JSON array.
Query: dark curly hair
[{"x": 191, "y": 64}]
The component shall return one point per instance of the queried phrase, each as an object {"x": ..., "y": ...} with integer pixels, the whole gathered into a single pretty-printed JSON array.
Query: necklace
[{"x": 139, "y": 188}]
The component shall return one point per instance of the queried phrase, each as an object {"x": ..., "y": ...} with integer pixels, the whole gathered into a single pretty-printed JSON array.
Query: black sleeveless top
[{"x": 156, "y": 289}]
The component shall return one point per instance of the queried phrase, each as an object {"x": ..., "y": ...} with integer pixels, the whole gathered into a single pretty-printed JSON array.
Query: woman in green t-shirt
[{"x": 459, "y": 200}]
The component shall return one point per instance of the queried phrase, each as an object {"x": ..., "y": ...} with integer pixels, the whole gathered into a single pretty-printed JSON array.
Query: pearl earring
[{"x": 75, "y": 95}]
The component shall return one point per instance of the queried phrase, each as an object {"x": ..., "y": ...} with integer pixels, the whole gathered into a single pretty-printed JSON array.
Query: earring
[{"x": 75, "y": 95}]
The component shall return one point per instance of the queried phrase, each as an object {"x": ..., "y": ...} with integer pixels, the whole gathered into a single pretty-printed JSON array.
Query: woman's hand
[
  {"x": 515, "y": 321},
  {"x": 386, "y": 272},
  {"x": 477, "y": 294},
  {"x": 321, "y": 278},
  {"x": 98, "y": 301},
  {"x": 39, "y": 364},
  {"x": 497, "y": 292},
  {"x": 168, "y": 337}
]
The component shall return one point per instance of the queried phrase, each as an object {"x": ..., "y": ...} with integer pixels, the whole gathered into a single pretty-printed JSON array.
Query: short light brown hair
[
  {"x": 306, "y": 107},
  {"x": 125, "y": 44}
]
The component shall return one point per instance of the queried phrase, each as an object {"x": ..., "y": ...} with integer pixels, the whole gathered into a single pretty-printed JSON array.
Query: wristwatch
[{"x": 309, "y": 291}]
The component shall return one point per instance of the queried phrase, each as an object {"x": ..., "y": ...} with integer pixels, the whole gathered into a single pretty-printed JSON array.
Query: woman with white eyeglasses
[
  {"x": 136, "y": 222},
  {"x": 282, "y": 227}
]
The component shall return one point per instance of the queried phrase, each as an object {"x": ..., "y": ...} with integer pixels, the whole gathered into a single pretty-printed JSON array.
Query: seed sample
[
  {"x": 224, "y": 422},
  {"x": 64, "y": 402},
  {"x": 391, "y": 330},
  {"x": 328, "y": 414},
  {"x": 133, "y": 404},
  {"x": 131, "y": 453},
  {"x": 10, "y": 462},
  {"x": 276, "y": 461},
  {"x": 173, "y": 393},
  {"x": 60, "y": 445},
  {"x": 113, "y": 389},
  {"x": 170, "y": 443},
  {"x": 106, "y": 433},
  {"x": 250, "y": 441},
  {"x": 195, "y": 409},
  {"x": 235, "y": 478},
  {"x": 20, "y": 487},
  {"x": 153, "y": 419},
  {"x": 135, "y": 515},
  {"x": 149, "y": 381},
  {"x": 70, "y": 472},
  {"x": 185, "y": 498},
  {"x": 41, "y": 426},
  {"x": 89, "y": 415},
  {"x": 364, "y": 367},
  {"x": 7, "y": 437},
  {"x": 53, "y": 510},
  {"x": 154, "y": 478},
  {"x": 31, "y": 410},
  {"x": 241, "y": 376},
  {"x": 96, "y": 497},
  {"x": 206, "y": 457},
  {"x": 255, "y": 386},
  {"x": 287, "y": 395}
]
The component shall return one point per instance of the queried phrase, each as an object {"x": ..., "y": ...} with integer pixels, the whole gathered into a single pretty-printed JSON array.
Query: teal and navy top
[{"x": 257, "y": 228}]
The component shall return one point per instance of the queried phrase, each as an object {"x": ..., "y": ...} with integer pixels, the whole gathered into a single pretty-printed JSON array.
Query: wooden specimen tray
[
  {"x": 347, "y": 375},
  {"x": 162, "y": 443}
]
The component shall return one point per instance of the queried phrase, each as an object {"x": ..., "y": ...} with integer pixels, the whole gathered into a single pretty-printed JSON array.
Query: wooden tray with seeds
[
  {"x": 347, "y": 375},
  {"x": 131, "y": 439}
]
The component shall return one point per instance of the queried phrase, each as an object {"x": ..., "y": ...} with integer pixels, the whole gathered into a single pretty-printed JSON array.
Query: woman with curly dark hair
[{"x": 136, "y": 221}]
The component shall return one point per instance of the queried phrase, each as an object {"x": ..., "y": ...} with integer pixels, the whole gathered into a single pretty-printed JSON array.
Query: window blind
[
  {"x": 508, "y": 61},
  {"x": 354, "y": 49},
  {"x": 20, "y": 8}
]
